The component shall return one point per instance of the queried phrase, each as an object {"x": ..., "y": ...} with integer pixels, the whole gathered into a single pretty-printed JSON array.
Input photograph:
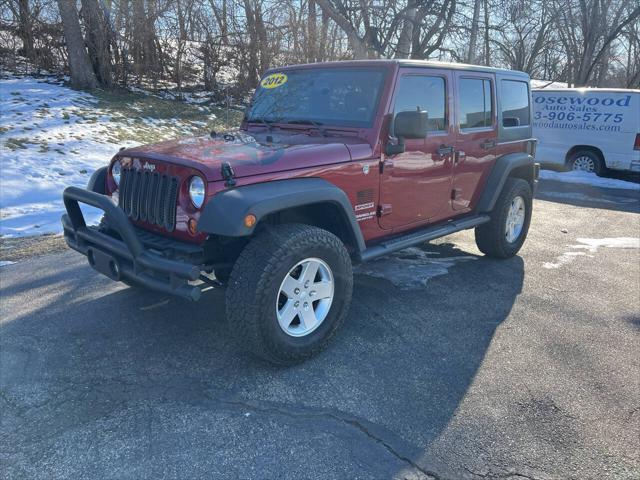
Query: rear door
[
  {"x": 415, "y": 185},
  {"x": 477, "y": 136}
]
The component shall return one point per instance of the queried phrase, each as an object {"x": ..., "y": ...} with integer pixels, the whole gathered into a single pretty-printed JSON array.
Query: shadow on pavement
[
  {"x": 581, "y": 195},
  {"x": 131, "y": 382}
]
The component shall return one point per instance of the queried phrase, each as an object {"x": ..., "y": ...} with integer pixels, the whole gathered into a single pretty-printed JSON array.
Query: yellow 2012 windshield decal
[{"x": 274, "y": 80}]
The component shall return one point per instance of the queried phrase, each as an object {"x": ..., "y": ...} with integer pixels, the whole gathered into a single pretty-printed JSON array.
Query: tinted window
[
  {"x": 417, "y": 92},
  {"x": 476, "y": 106},
  {"x": 514, "y": 102},
  {"x": 330, "y": 96}
]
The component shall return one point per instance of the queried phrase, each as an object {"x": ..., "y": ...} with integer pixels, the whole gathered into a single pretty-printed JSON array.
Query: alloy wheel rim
[
  {"x": 305, "y": 297},
  {"x": 584, "y": 163},
  {"x": 515, "y": 219}
]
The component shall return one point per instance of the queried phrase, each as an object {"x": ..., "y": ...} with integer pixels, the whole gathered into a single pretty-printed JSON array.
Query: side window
[
  {"x": 514, "y": 103},
  {"x": 424, "y": 93},
  {"x": 476, "y": 105}
]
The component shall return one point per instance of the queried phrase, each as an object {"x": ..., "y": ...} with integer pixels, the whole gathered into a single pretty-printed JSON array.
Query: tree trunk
[
  {"x": 358, "y": 45},
  {"x": 98, "y": 40},
  {"x": 406, "y": 34},
  {"x": 473, "y": 37},
  {"x": 25, "y": 29},
  {"x": 82, "y": 75},
  {"x": 324, "y": 35},
  {"x": 252, "y": 78},
  {"x": 487, "y": 35},
  {"x": 312, "y": 21}
]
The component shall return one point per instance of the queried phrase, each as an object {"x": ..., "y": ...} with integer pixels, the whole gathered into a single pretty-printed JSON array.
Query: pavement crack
[
  {"x": 352, "y": 422},
  {"x": 512, "y": 475}
]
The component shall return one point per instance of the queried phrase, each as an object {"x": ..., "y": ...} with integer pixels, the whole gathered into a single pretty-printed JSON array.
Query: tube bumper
[{"x": 126, "y": 257}]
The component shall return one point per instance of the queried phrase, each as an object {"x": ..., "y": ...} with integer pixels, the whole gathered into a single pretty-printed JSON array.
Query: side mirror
[
  {"x": 510, "y": 122},
  {"x": 409, "y": 124}
]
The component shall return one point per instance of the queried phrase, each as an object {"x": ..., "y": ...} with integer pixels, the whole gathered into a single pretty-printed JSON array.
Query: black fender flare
[
  {"x": 224, "y": 213},
  {"x": 98, "y": 181},
  {"x": 502, "y": 168}
]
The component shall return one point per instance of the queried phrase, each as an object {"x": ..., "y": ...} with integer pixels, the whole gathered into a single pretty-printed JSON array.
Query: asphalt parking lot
[{"x": 450, "y": 365}]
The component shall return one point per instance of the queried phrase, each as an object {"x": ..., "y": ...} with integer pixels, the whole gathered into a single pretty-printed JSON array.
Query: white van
[{"x": 589, "y": 129}]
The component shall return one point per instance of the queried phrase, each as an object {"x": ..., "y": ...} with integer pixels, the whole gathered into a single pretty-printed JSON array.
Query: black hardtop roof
[{"x": 409, "y": 63}]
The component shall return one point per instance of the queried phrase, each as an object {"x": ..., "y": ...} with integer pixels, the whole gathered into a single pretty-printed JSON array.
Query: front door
[
  {"x": 477, "y": 136},
  {"x": 416, "y": 185}
]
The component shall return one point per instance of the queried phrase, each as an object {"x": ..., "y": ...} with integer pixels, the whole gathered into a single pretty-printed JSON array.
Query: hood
[{"x": 251, "y": 154}]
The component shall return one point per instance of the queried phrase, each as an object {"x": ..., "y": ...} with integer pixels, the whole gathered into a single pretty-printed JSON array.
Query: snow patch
[
  {"x": 4, "y": 263},
  {"x": 411, "y": 268},
  {"x": 587, "y": 178},
  {"x": 52, "y": 137},
  {"x": 591, "y": 245},
  {"x": 535, "y": 83},
  {"x": 46, "y": 144}
]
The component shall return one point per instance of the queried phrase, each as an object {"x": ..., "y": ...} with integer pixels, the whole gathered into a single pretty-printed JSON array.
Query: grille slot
[{"x": 150, "y": 197}]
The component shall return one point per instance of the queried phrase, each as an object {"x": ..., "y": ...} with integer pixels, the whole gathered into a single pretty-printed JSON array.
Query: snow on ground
[
  {"x": 587, "y": 178},
  {"x": 52, "y": 136},
  {"x": 45, "y": 146},
  {"x": 586, "y": 246},
  {"x": 411, "y": 268}
]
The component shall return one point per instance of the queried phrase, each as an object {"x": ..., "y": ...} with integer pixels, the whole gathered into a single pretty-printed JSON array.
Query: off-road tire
[
  {"x": 490, "y": 236},
  {"x": 599, "y": 167},
  {"x": 255, "y": 282}
]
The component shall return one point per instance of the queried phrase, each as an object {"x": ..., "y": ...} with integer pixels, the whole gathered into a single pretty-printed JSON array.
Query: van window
[
  {"x": 514, "y": 102},
  {"x": 423, "y": 93},
  {"x": 476, "y": 105}
]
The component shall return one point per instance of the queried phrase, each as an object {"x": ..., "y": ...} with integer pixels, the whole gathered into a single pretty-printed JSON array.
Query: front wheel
[
  {"x": 504, "y": 234},
  {"x": 288, "y": 292}
]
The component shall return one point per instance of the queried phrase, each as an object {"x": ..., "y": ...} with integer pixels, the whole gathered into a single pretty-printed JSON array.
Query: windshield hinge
[{"x": 228, "y": 174}]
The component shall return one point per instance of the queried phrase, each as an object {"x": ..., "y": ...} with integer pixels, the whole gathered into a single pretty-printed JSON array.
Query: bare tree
[
  {"x": 587, "y": 28},
  {"x": 473, "y": 36},
  {"x": 98, "y": 39},
  {"x": 82, "y": 75}
]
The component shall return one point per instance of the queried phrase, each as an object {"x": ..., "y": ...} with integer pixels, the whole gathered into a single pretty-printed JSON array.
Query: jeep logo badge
[{"x": 149, "y": 166}]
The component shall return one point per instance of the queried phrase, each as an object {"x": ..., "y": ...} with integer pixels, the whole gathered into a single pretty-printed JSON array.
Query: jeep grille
[{"x": 149, "y": 197}]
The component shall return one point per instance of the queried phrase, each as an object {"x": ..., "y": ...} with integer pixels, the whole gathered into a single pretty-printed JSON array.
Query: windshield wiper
[
  {"x": 305, "y": 121},
  {"x": 264, "y": 121}
]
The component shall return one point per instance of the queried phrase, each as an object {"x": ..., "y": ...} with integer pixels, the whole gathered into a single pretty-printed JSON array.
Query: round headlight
[
  {"x": 196, "y": 191},
  {"x": 115, "y": 172}
]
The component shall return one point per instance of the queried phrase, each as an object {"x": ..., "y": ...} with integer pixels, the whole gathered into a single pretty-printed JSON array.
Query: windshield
[{"x": 346, "y": 97}]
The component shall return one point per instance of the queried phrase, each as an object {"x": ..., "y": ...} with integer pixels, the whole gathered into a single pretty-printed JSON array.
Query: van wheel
[
  {"x": 288, "y": 292},
  {"x": 504, "y": 234},
  {"x": 587, "y": 161}
]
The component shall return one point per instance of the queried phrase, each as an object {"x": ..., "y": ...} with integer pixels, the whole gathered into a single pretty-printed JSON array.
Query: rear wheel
[
  {"x": 288, "y": 292},
  {"x": 587, "y": 161},
  {"x": 504, "y": 234}
]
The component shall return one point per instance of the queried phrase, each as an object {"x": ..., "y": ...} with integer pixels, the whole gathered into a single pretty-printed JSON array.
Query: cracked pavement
[{"x": 495, "y": 369}]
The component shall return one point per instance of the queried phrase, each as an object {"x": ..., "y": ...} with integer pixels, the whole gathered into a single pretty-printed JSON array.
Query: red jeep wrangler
[{"x": 334, "y": 163}]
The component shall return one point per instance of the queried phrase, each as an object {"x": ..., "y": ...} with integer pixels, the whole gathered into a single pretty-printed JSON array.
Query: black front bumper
[{"x": 124, "y": 256}]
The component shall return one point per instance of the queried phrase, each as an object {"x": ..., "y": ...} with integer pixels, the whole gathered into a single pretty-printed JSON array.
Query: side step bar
[{"x": 424, "y": 235}]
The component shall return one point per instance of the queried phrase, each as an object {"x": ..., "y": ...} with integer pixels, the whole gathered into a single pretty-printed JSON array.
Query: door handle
[
  {"x": 487, "y": 144},
  {"x": 445, "y": 150},
  {"x": 460, "y": 155}
]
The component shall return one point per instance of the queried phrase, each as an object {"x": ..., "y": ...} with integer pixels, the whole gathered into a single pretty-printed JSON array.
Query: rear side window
[
  {"x": 476, "y": 104},
  {"x": 514, "y": 103},
  {"x": 418, "y": 92}
]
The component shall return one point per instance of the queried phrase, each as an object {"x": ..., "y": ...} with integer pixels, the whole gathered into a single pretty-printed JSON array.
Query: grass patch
[
  {"x": 14, "y": 143},
  {"x": 173, "y": 118}
]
